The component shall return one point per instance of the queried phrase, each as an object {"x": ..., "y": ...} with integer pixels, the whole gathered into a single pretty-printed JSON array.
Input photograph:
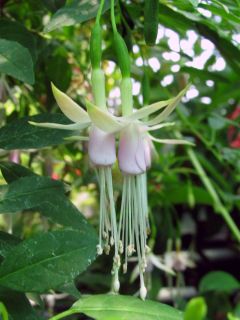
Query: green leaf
[
  {"x": 218, "y": 281},
  {"x": 71, "y": 289},
  {"x": 28, "y": 192},
  {"x": 12, "y": 171},
  {"x": 44, "y": 195},
  {"x": 77, "y": 12},
  {"x": 14, "y": 31},
  {"x": 196, "y": 309},
  {"x": 18, "y": 306},
  {"x": 55, "y": 209},
  {"x": 117, "y": 307},
  {"x": 55, "y": 206},
  {"x": 59, "y": 209},
  {"x": 20, "y": 134},
  {"x": 16, "y": 61},
  {"x": 7, "y": 242},
  {"x": 48, "y": 261}
]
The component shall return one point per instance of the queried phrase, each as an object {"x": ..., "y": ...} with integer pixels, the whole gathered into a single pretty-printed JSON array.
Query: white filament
[
  {"x": 108, "y": 233},
  {"x": 133, "y": 224}
]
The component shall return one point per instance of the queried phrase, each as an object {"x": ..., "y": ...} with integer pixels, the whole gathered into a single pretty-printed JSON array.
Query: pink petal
[
  {"x": 101, "y": 147},
  {"x": 131, "y": 154}
]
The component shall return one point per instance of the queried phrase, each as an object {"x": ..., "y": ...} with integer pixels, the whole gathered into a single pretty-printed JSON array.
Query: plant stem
[
  {"x": 126, "y": 96},
  {"x": 113, "y": 16},
  {"x": 100, "y": 11},
  {"x": 218, "y": 204}
]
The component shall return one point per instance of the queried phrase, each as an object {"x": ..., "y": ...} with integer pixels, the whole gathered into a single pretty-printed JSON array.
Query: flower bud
[{"x": 122, "y": 54}]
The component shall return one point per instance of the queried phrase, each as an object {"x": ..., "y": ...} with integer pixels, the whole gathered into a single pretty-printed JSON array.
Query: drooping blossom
[
  {"x": 134, "y": 158},
  {"x": 102, "y": 154}
]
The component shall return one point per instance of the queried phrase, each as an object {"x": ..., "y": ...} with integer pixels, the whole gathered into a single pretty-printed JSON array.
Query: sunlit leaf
[{"x": 117, "y": 307}]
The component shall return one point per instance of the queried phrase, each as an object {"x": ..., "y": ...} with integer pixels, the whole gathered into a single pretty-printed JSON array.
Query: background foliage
[{"x": 45, "y": 243}]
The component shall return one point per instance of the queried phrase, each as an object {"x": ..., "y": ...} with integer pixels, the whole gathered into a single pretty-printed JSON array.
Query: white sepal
[
  {"x": 146, "y": 111},
  {"x": 169, "y": 109},
  {"x": 103, "y": 120},
  {"x": 171, "y": 141},
  {"x": 72, "y": 126},
  {"x": 70, "y": 108}
]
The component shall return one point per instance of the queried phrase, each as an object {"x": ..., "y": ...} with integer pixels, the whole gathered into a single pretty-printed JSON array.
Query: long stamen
[{"x": 133, "y": 223}]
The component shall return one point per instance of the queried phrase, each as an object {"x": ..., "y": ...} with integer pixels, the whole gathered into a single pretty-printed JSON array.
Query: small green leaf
[
  {"x": 196, "y": 309},
  {"x": 117, "y": 307},
  {"x": 48, "y": 261},
  {"x": 20, "y": 134},
  {"x": 76, "y": 12},
  {"x": 218, "y": 281},
  {"x": 16, "y": 61}
]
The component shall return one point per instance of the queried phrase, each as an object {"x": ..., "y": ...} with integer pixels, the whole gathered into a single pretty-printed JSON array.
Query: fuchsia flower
[
  {"x": 134, "y": 158},
  {"x": 102, "y": 154},
  {"x": 135, "y": 142}
]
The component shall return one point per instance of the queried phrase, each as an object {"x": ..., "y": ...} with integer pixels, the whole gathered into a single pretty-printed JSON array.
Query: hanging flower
[
  {"x": 134, "y": 158},
  {"x": 102, "y": 154}
]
